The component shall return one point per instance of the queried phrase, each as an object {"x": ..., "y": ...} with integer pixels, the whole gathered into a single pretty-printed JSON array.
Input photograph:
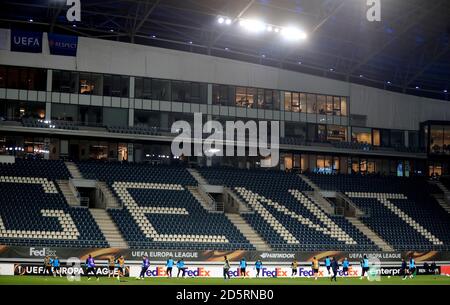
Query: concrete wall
[{"x": 383, "y": 108}]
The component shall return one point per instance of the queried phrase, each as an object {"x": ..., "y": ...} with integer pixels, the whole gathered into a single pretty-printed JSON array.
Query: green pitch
[{"x": 48, "y": 280}]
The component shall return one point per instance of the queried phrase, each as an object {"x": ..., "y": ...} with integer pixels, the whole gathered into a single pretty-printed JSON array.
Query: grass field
[{"x": 47, "y": 280}]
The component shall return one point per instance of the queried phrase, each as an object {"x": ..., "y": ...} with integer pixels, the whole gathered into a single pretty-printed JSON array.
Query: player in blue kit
[
  {"x": 169, "y": 266},
  {"x": 365, "y": 267},
  {"x": 412, "y": 268},
  {"x": 258, "y": 266},
  {"x": 345, "y": 265},
  {"x": 56, "y": 267},
  {"x": 328, "y": 264},
  {"x": 181, "y": 268},
  {"x": 242, "y": 266}
]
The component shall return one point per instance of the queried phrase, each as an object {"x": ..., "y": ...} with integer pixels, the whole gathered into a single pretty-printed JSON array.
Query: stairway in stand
[
  {"x": 252, "y": 236},
  {"x": 377, "y": 240},
  {"x": 109, "y": 228}
]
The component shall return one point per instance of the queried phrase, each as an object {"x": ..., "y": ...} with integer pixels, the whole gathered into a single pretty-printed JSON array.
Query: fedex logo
[
  {"x": 199, "y": 272},
  {"x": 158, "y": 271},
  {"x": 277, "y": 272},
  {"x": 308, "y": 272},
  {"x": 161, "y": 271},
  {"x": 351, "y": 272}
]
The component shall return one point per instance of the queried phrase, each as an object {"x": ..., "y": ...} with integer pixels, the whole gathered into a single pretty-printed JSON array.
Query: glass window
[
  {"x": 376, "y": 137},
  {"x": 231, "y": 96},
  {"x": 344, "y": 106},
  {"x": 446, "y": 146},
  {"x": 90, "y": 115},
  {"x": 413, "y": 139},
  {"x": 336, "y": 164},
  {"x": 180, "y": 91},
  {"x": 115, "y": 116},
  {"x": 296, "y": 102},
  {"x": 116, "y": 85},
  {"x": 251, "y": 97},
  {"x": 13, "y": 78},
  {"x": 37, "y": 79},
  {"x": 397, "y": 138},
  {"x": 288, "y": 101},
  {"x": 65, "y": 81},
  {"x": 2, "y": 77},
  {"x": 124, "y": 86},
  {"x": 276, "y": 100},
  {"x": 297, "y": 130},
  {"x": 90, "y": 83},
  {"x": 385, "y": 137},
  {"x": 65, "y": 112},
  {"x": 220, "y": 95},
  {"x": 321, "y": 133},
  {"x": 268, "y": 95},
  {"x": 321, "y": 104},
  {"x": 161, "y": 89},
  {"x": 363, "y": 165},
  {"x": 312, "y": 132},
  {"x": 311, "y": 103},
  {"x": 302, "y": 102},
  {"x": 195, "y": 93},
  {"x": 330, "y": 105},
  {"x": 17, "y": 110},
  {"x": 336, "y": 133},
  {"x": 337, "y": 106},
  {"x": 138, "y": 87},
  {"x": 143, "y": 88},
  {"x": 241, "y": 97},
  {"x": 436, "y": 139},
  {"x": 361, "y": 135},
  {"x": 23, "y": 78}
]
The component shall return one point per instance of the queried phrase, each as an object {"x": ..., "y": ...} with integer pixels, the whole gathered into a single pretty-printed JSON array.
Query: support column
[
  {"x": 131, "y": 117},
  {"x": 131, "y": 86},
  {"x": 406, "y": 142},
  {"x": 48, "y": 105},
  {"x": 130, "y": 152},
  {"x": 49, "y": 80},
  {"x": 48, "y": 111},
  {"x": 209, "y": 118}
]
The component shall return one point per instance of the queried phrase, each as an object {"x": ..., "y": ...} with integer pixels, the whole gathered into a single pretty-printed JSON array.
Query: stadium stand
[
  {"x": 280, "y": 219},
  {"x": 134, "y": 130},
  {"x": 59, "y": 124},
  {"x": 159, "y": 211},
  {"x": 401, "y": 210},
  {"x": 33, "y": 212}
]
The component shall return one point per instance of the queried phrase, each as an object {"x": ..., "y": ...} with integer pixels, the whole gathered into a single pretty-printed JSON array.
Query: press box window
[
  {"x": 116, "y": 85},
  {"x": 65, "y": 81},
  {"x": 91, "y": 83},
  {"x": 143, "y": 88}
]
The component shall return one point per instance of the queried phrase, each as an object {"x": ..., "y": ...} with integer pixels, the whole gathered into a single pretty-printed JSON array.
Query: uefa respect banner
[{"x": 65, "y": 45}]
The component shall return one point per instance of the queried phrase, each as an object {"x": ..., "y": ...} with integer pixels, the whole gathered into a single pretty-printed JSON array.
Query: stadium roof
[{"x": 408, "y": 51}]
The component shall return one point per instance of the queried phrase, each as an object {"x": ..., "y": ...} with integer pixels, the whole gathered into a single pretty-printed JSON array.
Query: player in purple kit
[
  {"x": 145, "y": 265},
  {"x": 90, "y": 263}
]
